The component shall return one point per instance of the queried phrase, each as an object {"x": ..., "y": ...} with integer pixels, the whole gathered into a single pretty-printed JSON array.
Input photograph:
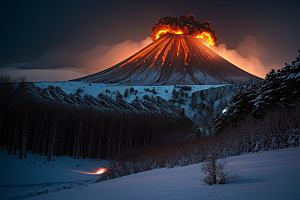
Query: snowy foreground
[{"x": 268, "y": 175}]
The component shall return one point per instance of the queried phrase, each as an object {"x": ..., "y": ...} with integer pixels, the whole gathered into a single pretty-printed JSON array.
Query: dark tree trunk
[
  {"x": 24, "y": 140},
  {"x": 52, "y": 140}
]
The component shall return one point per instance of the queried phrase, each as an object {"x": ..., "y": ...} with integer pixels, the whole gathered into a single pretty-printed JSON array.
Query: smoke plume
[
  {"x": 248, "y": 56},
  {"x": 187, "y": 25}
]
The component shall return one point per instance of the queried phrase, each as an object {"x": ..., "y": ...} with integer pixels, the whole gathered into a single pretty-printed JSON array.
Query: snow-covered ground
[
  {"x": 267, "y": 175},
  {"x": 34, "y": 175}
]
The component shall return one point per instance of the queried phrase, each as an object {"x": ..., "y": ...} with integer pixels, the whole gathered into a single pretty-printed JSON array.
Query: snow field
[
  {"x": 267, "y": 175},
  {"x": 33, "y": 175}
]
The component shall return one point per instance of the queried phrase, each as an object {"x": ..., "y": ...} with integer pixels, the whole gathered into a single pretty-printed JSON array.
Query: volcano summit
[{"x": 179, "y": 54}]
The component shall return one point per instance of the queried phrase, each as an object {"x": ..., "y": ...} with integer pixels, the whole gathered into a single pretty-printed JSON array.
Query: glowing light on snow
[{"x": 99, "y": 171}]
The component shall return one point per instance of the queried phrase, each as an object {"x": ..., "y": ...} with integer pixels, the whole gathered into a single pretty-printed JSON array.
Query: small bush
[
  {"x": 79, "y": 90},
  {"x": 215, "y": 171},
  {"x": 131, "y": 90},
  {"x": 126, "y": 93},
  {"x": 146, "y": 97},
  {"x": 187, "y": 88}
]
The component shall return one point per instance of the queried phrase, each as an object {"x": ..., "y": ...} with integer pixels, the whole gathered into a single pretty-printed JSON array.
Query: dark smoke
[{"x": 186, "y": 23}]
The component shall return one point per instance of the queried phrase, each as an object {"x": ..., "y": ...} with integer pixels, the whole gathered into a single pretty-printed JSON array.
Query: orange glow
[
  {"x": 99, "y": 171},
  {"x": 179, "y": 32},
  {"x": 184, "y": 25},
  {"x": 180, "y": 47},
  {"x": 162, "y": 31},
  {"x": 207, "y": 37}
]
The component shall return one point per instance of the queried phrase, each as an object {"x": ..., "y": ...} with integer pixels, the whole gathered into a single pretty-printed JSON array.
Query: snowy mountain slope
[
  {"x": 200, "y": 103},
  {"x": 172, "y": 59},
  {"x": 95, "y": 89},
  {"x": 80, "y": 93},
  {"x": 113, "y": 103},
  {"x": 267, "y": 175}
]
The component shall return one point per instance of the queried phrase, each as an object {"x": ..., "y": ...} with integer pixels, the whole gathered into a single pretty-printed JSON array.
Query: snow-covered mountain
[
  {"x": 195, "y": 102},
  {"x": 172, "y": 59},
  {"x": 106, "y": 100}
]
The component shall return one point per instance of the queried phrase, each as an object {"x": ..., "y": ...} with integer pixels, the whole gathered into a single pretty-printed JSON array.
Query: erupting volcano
[{"x": 179, "y": 54}]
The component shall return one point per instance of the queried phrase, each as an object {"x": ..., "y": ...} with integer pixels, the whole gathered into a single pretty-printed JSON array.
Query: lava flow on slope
[{"x": 179, "y": 54}]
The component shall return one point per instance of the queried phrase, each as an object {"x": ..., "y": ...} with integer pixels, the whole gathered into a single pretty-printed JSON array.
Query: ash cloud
[
  {"x": 186, "y": 23},
  {"x": 248, "y": 56}
]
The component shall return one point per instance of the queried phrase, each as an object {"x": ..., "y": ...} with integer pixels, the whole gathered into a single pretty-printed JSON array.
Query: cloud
[
  {"x": 248, "y": 56},
  {"x": 66, "y": 64},
  {"x": 96, "y": 59},
  {"x": 37, "y": 75}
]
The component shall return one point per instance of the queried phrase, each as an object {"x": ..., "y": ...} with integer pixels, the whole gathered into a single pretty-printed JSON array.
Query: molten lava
[
  {"x": 184, "y": 25},
  {"x": 173, "y": 46},
  {"x": 207, "y": 37},
  {"x": 164, "y": 31}
]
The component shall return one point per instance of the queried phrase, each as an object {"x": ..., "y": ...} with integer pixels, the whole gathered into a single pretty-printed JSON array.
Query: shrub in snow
[
  {"x": 174, "y": 94},
  {"x": 126, "y": 93},
  {"x": 187, "y": 88},
  {"x": 181, "y": 92},
  {"x": 79, "y": 90},
  {"x": 146, "y": 97},
  {"x": 184, "y": 160},
  {"x": 154, "y": 91},
  {"x": 131, "y": 90},
  {"x": 118, "y": 95},
  {"x": 181, "y": 101},
  {"x": 215, "y": 171}
]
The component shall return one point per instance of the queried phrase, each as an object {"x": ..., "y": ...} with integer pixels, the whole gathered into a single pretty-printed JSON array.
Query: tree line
[{"x": 45, "y": 127}]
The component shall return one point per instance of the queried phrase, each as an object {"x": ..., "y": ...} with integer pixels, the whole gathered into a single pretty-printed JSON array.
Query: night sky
[{"x": 50, "y": 40}]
